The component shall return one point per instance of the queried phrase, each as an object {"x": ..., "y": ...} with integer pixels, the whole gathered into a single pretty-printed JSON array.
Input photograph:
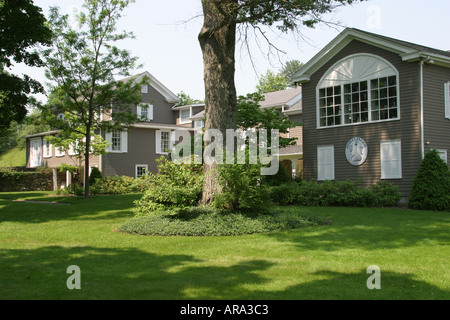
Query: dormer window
[{"x": 359, "y": 89}]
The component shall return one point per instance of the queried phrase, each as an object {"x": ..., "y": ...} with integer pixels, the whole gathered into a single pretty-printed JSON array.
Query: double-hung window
[
  {"x": 118, "y": 141},
  {"x": 164, "y": 141},
  {"x": 359, "y": 89},
  {"x": 47, "y": 149},
  {"x": 145, "y": 112},
  {"x": 141, "y": 170}
]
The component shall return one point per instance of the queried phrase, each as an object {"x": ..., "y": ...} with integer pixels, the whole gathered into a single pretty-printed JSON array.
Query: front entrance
[{"x": 36, "y": 153}]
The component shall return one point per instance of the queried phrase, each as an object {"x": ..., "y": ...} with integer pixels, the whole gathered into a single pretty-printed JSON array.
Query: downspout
[{"x": 422, "y": 133}]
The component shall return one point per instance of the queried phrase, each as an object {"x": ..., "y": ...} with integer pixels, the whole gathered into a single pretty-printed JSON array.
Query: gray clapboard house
[
  {"x": 132, "y": 152},
  {"x": 372, "y": 107}
]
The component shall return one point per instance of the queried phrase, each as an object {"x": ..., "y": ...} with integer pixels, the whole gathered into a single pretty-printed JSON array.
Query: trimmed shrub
[
  {"x": 431, "y": 186},
  {"x": 118, "y": 185},
  {"x": 348, "y": 193}
]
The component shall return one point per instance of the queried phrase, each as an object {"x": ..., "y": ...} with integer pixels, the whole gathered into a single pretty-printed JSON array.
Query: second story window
[
  {"x": 116, "y": 140},
  {"x": 145, "y": 112},
  {"x": 185, "y": 115},
  {"x": 359, "y": 89}
]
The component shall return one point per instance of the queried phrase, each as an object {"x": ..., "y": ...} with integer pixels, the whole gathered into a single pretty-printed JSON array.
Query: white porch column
[
  {"x": 55, "y": 179},
  {"x": 68, "y": 178},
  {"x": 293, "y": 167}
]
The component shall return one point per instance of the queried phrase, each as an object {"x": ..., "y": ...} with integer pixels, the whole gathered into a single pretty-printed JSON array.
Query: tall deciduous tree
[
  {"x": 271, "y": 82},
  {"x": 22, "y": 27},
  {"x": 84, "y": 62},
  {"x": 218, "y": 42}
]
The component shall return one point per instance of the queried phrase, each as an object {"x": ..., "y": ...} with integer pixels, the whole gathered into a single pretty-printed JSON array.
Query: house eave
[{"x": 408, "y": 54}]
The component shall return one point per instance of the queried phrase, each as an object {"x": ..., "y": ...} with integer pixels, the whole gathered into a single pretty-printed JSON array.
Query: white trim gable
[
  {"x": 158, "y": 86},
  {"x": 407, "y": 53}
]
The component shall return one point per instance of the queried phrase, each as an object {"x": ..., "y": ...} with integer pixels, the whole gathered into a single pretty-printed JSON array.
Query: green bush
[
  {"x": 94, "y": 176},
  {"x": 431, "y": 186},
  {"x": 242, "y": 189},
  {"x": 209, "y": 221},
  {"x": 118, "y": 185},
  {"x": 280, "y": 178},
  {"x": 348, "y": 193},
  {"x": 284, "y": 194},
  {"x": 175, "y": 185}
]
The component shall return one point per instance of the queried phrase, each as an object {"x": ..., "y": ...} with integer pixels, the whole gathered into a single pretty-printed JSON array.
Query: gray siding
[
  {"x": 162, "y": 110},
  {"x": 436, "y": 126},
  {"x": 406, "y": 129},
  {"x": 141, "y": 150}
]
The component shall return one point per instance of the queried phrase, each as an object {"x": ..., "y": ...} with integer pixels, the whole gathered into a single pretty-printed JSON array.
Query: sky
[{"x": 166, "y": 38}]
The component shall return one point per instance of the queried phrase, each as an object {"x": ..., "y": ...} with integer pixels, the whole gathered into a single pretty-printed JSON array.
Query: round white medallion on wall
[{"x": 356, "y": 151}]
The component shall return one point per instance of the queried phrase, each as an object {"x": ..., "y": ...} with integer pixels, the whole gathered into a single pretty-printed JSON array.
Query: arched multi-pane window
[{"x": 360, "y": 88}]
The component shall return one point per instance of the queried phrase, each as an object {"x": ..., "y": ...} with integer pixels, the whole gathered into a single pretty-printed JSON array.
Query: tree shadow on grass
[
  {"x": 111, "y": 274},
  {"x": 96, "y": 207},
  {"x": 359, "y": 228}
]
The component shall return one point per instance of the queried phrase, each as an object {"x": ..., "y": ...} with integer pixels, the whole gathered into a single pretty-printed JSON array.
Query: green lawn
[
  {"x": 13, "y": 158},
  {"x": 39, "y": 241}
]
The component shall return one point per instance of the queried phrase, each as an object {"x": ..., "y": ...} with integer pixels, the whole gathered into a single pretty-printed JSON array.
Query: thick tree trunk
[{"x": 218, "y": 42}]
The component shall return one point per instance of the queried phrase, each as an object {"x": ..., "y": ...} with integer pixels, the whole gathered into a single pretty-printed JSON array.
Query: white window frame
[
  {"x": 447, "y": 99},
  {"x": 123, "y": 142},
  {"x": 199, "y": 124},
  {"x": 144, "y": 88},
  {"x": 188, "y": 118},
  {"x": 443, "y": 154},
  {"x": 145, "y": 166},
  {"x": 91, "y": 167},
  {"x": 48, "y": 149},
  {"x": 329, "y": 80},
  {"x": 322, "y": 173},
  {"x": 60, "y": 152},
  {"x": 149, "y": 113},
  {"x": 158, "y": 143},
  {"x": 72, "y": 149},
  {"x": 386, "y": 163}
]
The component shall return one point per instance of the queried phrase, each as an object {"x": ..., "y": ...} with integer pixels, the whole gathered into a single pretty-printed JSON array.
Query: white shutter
[
  {"x": 158, "y": 141},
  {"x": 124, "y": 141},
  {"x": 447, "y": 100},
  {"x": 150, "y": 112},
  {"x": 325, "y": 163},
  {"x": 139, "y": 112},
  {"x": 172, "y": 140},
  {"x": 108, "y": 139},
  {"x": 391, "y": 160}
]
